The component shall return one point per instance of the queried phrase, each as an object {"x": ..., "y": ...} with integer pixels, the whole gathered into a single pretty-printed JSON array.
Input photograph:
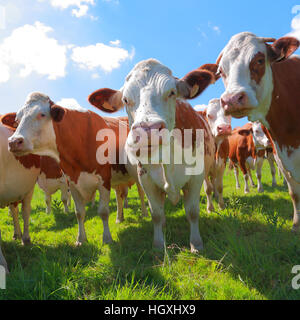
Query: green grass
[{"x": 249, "y": 251}]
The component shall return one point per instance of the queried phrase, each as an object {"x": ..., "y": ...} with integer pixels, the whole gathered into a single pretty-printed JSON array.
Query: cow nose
[
  {"x": 224, "y": 129},
  {"x": 237, "y": 100},
  {"x": 147, "y": 128},
  {"x": 16, "y": 144}
]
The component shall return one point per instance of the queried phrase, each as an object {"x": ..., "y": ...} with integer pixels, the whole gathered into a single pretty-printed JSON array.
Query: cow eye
[
  {"x": 172, "y": 94},
  {"x": 260, "y": 61},
  {"x": 125, "y": 100}
]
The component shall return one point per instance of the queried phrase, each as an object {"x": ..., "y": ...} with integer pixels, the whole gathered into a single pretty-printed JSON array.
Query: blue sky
[{"x": 69, "y": 48}]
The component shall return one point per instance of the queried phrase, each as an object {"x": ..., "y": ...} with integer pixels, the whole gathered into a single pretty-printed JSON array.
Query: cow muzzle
[
  {"x": 16, "y": 145},
  {"x": 146, "y": 134},
  {"x": 236, "y": 105},
  {"x": 224, "y": 130}
]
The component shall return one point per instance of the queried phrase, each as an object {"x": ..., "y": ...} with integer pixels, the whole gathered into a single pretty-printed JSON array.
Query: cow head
[
  {"x": 261, "y": 141},
  {"x": 245, "y": 66},
  {"x": 33, "y": 125},
  {"x": 149, "y": 95},
  {"x": 219, "y": 123}
]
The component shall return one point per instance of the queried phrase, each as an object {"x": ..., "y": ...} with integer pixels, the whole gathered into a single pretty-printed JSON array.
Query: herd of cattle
[{"x": 57, "y": 146}]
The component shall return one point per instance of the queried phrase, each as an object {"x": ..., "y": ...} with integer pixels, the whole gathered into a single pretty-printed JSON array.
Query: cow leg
[
  {"x": 208, "y": 188},
  {"x": 236, "y": 175},
  {"x": 142, "y": 199},
  {"x": 246, "y": 176},
  {"x": 125, "y": 204},
  {"x": 65, "y": 197},
  {"x": 259, "y": 163},
  {"x": 272, "y": 168},
  {"x": 14, "y": 211},
  {"x": 219, "y": 184},
  {"x": 120, "y": 201},
  {"x": 103, "y": 211},
  {"x": 156, "y": 199},
  {"x": 26, "y": 210},
  {"x": 80, "y": 215},
  {"x": 191, "y": 203},
  {"x": 48, "y": 200},
  {"x": 2, "y": 259}
]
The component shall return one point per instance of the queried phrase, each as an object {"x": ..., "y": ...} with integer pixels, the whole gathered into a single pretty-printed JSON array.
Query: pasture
[{"x": 249, "y": 251}]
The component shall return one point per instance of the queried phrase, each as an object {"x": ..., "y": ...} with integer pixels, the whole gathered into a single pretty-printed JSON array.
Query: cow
[
  {"x": 242, "y": 154},
  {"x": 18, "y": 176},
  {"x": 52, "y": 179},
  {"x": 221, "y": 128},
  {"x": 261, "y": 81},
  {"x": 156, "y": 104},
  {"x": 263, "y": 148},
  {"x": 73, "y": 136}
]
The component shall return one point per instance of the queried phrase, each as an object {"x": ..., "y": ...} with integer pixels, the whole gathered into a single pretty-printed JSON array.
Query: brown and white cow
[
  {"x": 18, "y": 176},
  {"x": 221, "y": 128},
  {"x": 262, "y": 83},
  {"x": 52, "y": 179},
  {"x": 155, "y": 104},
  {"x": 71, "y": 137},
  {"x": 242, "y": 154}
]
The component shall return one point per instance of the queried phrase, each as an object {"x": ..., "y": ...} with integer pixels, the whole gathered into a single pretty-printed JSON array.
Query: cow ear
[
  {"x": 244, "y": 132},
  {"x": 282, "y": 48},
  {"x": 9, "y": 121},
  {"x": 213, "y": 68},
  {"x": 106, "y": 100},
  {"x": 196, "y": 81},
  {"x": 57, "y": 113}
]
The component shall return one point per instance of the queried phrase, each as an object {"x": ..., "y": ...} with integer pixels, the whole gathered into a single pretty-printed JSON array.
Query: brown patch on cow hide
[{"x": 258, "y": 67}]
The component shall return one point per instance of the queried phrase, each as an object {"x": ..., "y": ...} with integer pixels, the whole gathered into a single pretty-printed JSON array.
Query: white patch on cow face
[
  {"x": 35, "y": 126},
  {"x": 235, "y": 69},
  {"x": 216, "y": 119},
  {"x": 149, "y": 95},
  {"x": 260, "y": 140}
]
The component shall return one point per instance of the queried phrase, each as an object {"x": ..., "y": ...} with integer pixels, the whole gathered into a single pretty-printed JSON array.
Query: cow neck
[
  {"x": 29, "y": 161},
  {"x": 50, "y": 168},
  {"x": 77, "y": 145},
  {"x": 188, "y": 118},
  {"x": 284, "y": 112}
]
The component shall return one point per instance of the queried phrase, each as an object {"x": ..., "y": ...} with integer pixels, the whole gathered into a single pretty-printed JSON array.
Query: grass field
[{"x": 249, "y": 251}]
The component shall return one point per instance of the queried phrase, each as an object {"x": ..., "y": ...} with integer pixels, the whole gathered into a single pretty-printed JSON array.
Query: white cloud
[
  {"x": 100, "y": 56},
  {"x": 82, "y": 6},
  {"x": 70, "y": 103},
  {"x": 295, "y": 24},
  {"x": 29, "y": 49},
  {"x": 116, "y": 43},
  {"x": 200, "y": 107}
]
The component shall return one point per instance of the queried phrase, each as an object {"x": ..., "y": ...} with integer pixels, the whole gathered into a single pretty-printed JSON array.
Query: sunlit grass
[{"x": 249, "y": 251}]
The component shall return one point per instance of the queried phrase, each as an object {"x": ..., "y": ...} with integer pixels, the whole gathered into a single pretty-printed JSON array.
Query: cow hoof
[
  {"x": 197, "y": 248},
  {"x": 261, "y": 190},
  {"x": 17, "y": 237},
  {"x": 158, "y": 245},
  {"x": 210, "y": 209},
  {"x": 222, "y": 206},
  {"x": 107, "y": 239},
  {"x": 119, "y": 221},
  {"x": 274, "y": 184},
  {"x": 26, "y": 242}
]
